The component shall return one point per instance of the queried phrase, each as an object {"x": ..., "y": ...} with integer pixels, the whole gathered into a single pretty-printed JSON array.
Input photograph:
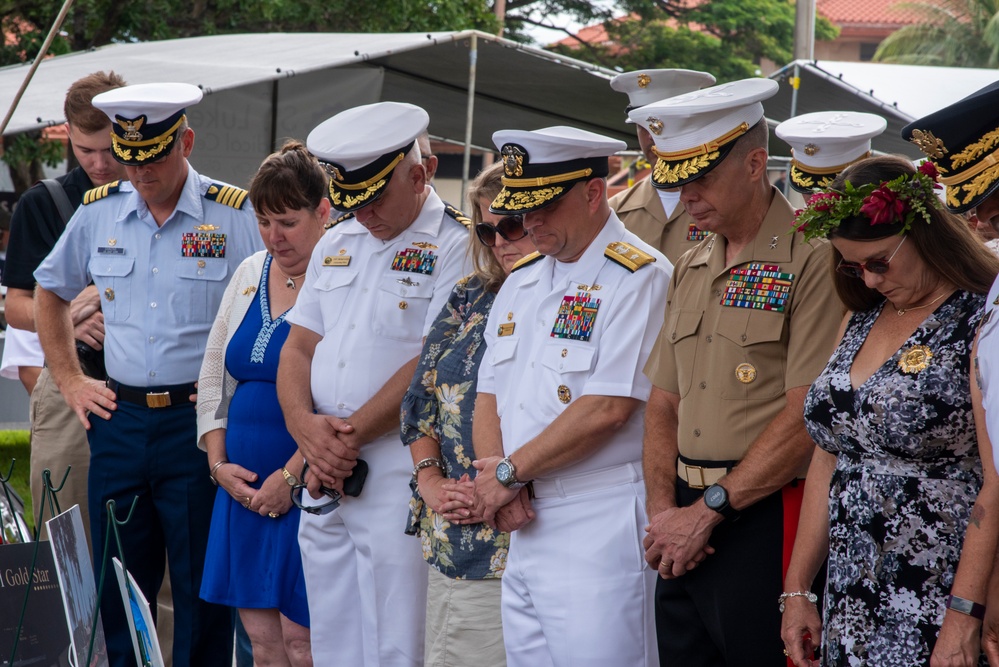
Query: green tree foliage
[
  {"x": 725, "y": 37},
  {"x": 950, "y": 33}
]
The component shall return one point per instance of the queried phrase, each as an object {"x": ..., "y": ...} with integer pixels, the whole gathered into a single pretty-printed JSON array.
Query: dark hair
[
  {"x": 946, "y": 244},
  {"x": 290, "y": 179},
  {"x": 78, "y": 107},
  {"x": 485, "y": 266}
]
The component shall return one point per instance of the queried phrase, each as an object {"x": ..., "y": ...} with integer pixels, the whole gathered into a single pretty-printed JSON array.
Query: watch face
[
  {"x": 503, "y": 473},
  {"x": 715, "y": 497}
]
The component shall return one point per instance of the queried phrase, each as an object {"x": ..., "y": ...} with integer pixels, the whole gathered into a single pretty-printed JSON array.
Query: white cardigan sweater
[{"x": 215, "y": 385}]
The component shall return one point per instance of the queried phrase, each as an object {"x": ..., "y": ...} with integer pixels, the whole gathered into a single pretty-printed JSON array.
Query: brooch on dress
[{"x": 915, "y": 359}]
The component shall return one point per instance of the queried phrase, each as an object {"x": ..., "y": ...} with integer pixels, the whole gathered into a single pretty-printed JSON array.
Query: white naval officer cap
[
  {"x": 540, "y": 166},
  {"x": 145, "y": 117},
  {"x": 652, "y": 85},
  {"x": 360, "y": 147},
  {"x": 824, "y": 143},
  {"x": 694, "y": 132}
]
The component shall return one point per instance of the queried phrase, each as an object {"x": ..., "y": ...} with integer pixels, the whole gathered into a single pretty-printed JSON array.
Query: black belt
[{"x": 153, "y": 397}]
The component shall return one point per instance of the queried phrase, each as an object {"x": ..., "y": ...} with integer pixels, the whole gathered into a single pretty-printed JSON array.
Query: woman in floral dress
[
  {"x": 899, "y": 496},
  {"x": 466, "y": 556}
]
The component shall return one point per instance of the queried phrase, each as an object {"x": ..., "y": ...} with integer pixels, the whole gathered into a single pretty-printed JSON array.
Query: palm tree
[{"x": 951, "y": 33}]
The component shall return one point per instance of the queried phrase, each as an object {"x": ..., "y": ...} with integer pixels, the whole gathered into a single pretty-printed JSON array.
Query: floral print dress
[
  {"x": 439, "y": 404},
  {"x": 907, "y": 475}
]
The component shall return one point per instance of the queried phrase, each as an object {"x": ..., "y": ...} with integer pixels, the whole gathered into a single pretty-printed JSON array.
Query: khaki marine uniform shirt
[
  {"x": 641, "y": 211},
  {"x": 729, "y": 362}
]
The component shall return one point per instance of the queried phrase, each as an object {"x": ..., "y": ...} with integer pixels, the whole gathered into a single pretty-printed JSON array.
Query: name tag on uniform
[
  {"x": 340, "y": 260},
  {"x": 506, "y": 329},
  {"x": 108, "y": 250}
]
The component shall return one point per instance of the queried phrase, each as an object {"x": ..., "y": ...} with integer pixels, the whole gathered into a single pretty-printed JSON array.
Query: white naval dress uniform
[
  {"x": 366, "y": 579},
  {"x": 576, "y": 590},
  {"x": 987, "y": 367}
]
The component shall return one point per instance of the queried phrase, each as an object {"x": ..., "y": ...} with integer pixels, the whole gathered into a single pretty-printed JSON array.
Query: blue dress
[{"x": 253, "y": 561}]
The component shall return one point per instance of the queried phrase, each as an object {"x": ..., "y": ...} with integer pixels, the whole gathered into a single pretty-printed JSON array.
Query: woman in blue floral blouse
[{"x": 466, "y": 556}]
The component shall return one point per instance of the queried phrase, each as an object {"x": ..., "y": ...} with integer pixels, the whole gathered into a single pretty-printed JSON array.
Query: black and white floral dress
[{"x": 907, "y": 475}]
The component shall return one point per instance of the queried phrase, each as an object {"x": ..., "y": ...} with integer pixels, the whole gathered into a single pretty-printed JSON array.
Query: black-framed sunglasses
[
  {"x": 510, "y": 228},
  {"x": 875, "y": 266},
  {"x": 332, "y": 495}
]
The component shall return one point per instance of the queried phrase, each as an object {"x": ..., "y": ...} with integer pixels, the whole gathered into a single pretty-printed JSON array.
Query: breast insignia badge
[
  {"x": 564, "y": 394},
  {"x": 745, "y": 373},
  {"x": 915, "y": 359}
]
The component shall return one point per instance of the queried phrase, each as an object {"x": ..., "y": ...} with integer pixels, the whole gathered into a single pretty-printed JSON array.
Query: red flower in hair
[
  {"x": 927, "y": 168},
  {"x": 883, "y": 206}
]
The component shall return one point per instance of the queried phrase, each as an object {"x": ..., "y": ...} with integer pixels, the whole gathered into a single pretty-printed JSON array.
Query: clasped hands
[
  {"x": 502, "y": 508},
  {"x": 677, "y": 539},
  {"x": 331, "y": 447}
]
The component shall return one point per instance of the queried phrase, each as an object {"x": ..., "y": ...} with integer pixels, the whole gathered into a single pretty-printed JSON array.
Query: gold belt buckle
[
  {"x": 160, "y": 399},
  {"x": 690, "y": 482}
]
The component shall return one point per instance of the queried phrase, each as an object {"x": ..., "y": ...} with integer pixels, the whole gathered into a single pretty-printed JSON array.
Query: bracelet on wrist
[
  {"x": 211, "y": 474},
  {"x": 429, "y": 462},
  {"x": 967, "y": 607},
  {"x": 808, "y": 595}
]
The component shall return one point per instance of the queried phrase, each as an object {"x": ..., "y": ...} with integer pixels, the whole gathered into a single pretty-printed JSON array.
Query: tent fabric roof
[
  {"x": 899, "y": 93},
  {"x": 516, "y": 86}
]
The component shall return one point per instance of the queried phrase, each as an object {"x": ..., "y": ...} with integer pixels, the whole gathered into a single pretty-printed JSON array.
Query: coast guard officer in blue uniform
[{"x": 160, "y": 249}]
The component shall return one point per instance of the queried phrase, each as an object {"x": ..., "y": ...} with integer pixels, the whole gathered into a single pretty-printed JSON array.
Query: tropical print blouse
[{"x": 439, "y": 404}]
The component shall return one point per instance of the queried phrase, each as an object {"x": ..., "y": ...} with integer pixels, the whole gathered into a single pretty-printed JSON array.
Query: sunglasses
[
  {"x": 510, "y": 228},
  {"x": 876, "y": 266}
]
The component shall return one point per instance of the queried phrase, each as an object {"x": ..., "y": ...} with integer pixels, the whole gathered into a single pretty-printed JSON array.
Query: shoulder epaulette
[
  {"x": 226, "y": 194},
  {"x": 627, "y": 255},
  {"x": 92, "y": 195},
  {"x": 527, "y": 260},
  {"x": 342, "y": 218},
  {"x": 457, "y": 215}
]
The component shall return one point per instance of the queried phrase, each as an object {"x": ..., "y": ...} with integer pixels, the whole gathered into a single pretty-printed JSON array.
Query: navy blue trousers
[{"x": 152, "y": 455}]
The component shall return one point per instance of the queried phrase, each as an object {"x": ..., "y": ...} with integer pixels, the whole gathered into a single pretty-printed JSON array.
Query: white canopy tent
[
  {"x": 899, "y": 93},
  {"x": 261, "y": 88}
]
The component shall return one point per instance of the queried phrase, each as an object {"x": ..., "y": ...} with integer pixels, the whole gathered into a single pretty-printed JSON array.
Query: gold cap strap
[
  {"x": 709, "y": 147},
  {"x": 825, "y": 170},
  {"x": 363, "y": 185},
  {"x": 542, "y": 181}
]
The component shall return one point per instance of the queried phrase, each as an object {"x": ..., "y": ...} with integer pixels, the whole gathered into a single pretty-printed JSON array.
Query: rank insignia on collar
[{"x": 773, "y": 242}]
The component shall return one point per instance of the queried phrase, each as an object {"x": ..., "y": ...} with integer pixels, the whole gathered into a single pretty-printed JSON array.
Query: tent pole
[
  {"x": 274, "y": 113},
  {"x": 37, "y": 61},
  {"x": 473, "y": 57}
]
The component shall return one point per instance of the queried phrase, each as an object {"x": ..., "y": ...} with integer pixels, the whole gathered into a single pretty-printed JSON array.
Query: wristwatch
[
  {"x": 968, "y": 607},
  {"x": 289, "y": 479},
  {"x": 506, "y": 474},
  {"x": 716, "y": 498}
]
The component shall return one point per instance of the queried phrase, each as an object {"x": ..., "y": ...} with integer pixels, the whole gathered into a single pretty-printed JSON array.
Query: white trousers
[
  {"x": 366, "y": 579},
  {"x": 576, "y": 590}
]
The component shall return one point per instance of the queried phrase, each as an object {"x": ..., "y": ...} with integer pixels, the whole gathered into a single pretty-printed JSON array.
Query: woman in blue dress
[{"x": 253, "y": 561}]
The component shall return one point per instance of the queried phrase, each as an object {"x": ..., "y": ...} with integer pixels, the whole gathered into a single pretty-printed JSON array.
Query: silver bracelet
[
  {"x": 211, "y": 475},
  {"x": 808, "y": 595},
  {"x": 427, "y": 463}
]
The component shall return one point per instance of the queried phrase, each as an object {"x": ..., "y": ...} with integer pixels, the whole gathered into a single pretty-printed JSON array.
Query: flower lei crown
[{"x": 900, "y": 200}]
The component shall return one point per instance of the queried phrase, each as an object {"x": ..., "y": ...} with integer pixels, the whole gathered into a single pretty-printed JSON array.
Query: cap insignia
[
  {"x": 655, "y": 125},
  {"x": 811, "y": 149},
  {"x": 131, "y": 127},
  {"x": 931, "y": 146},
  {"x": 644, "y": 80},
  {"x": 333, "y": 171},
  {"x": 513, "y": 160}
]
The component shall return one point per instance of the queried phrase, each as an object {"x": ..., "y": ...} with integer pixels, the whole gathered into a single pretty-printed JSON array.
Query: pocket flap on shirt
[
  {"x": 566, "y": 358},
  {"x": 503, "y": 350},
  {"x": 113, "y": 267},
  {"x": 202, "y": 268},
  {"x": 331, "y": 279}
]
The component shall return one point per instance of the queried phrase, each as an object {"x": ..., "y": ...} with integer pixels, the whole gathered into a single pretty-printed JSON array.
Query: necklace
[
  {"x": 289, "y": 280},
  {"x": 903, "y": 311}
]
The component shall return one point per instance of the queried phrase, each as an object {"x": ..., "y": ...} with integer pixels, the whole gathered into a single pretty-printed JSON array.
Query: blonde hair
[{"x": 485, "y": 266}]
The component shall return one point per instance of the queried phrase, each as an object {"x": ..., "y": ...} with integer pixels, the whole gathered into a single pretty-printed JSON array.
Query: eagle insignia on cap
[
  {"x": 513, "y": 160},
  {"x": 131, "y": 127},
  {"x": 644, "y": 80},
  {"x": 931, "y": 146},
  {"x": 333, "y": 171},
  {"x": 655, "y": 125},
  {"x": 811, "y": 149}
]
